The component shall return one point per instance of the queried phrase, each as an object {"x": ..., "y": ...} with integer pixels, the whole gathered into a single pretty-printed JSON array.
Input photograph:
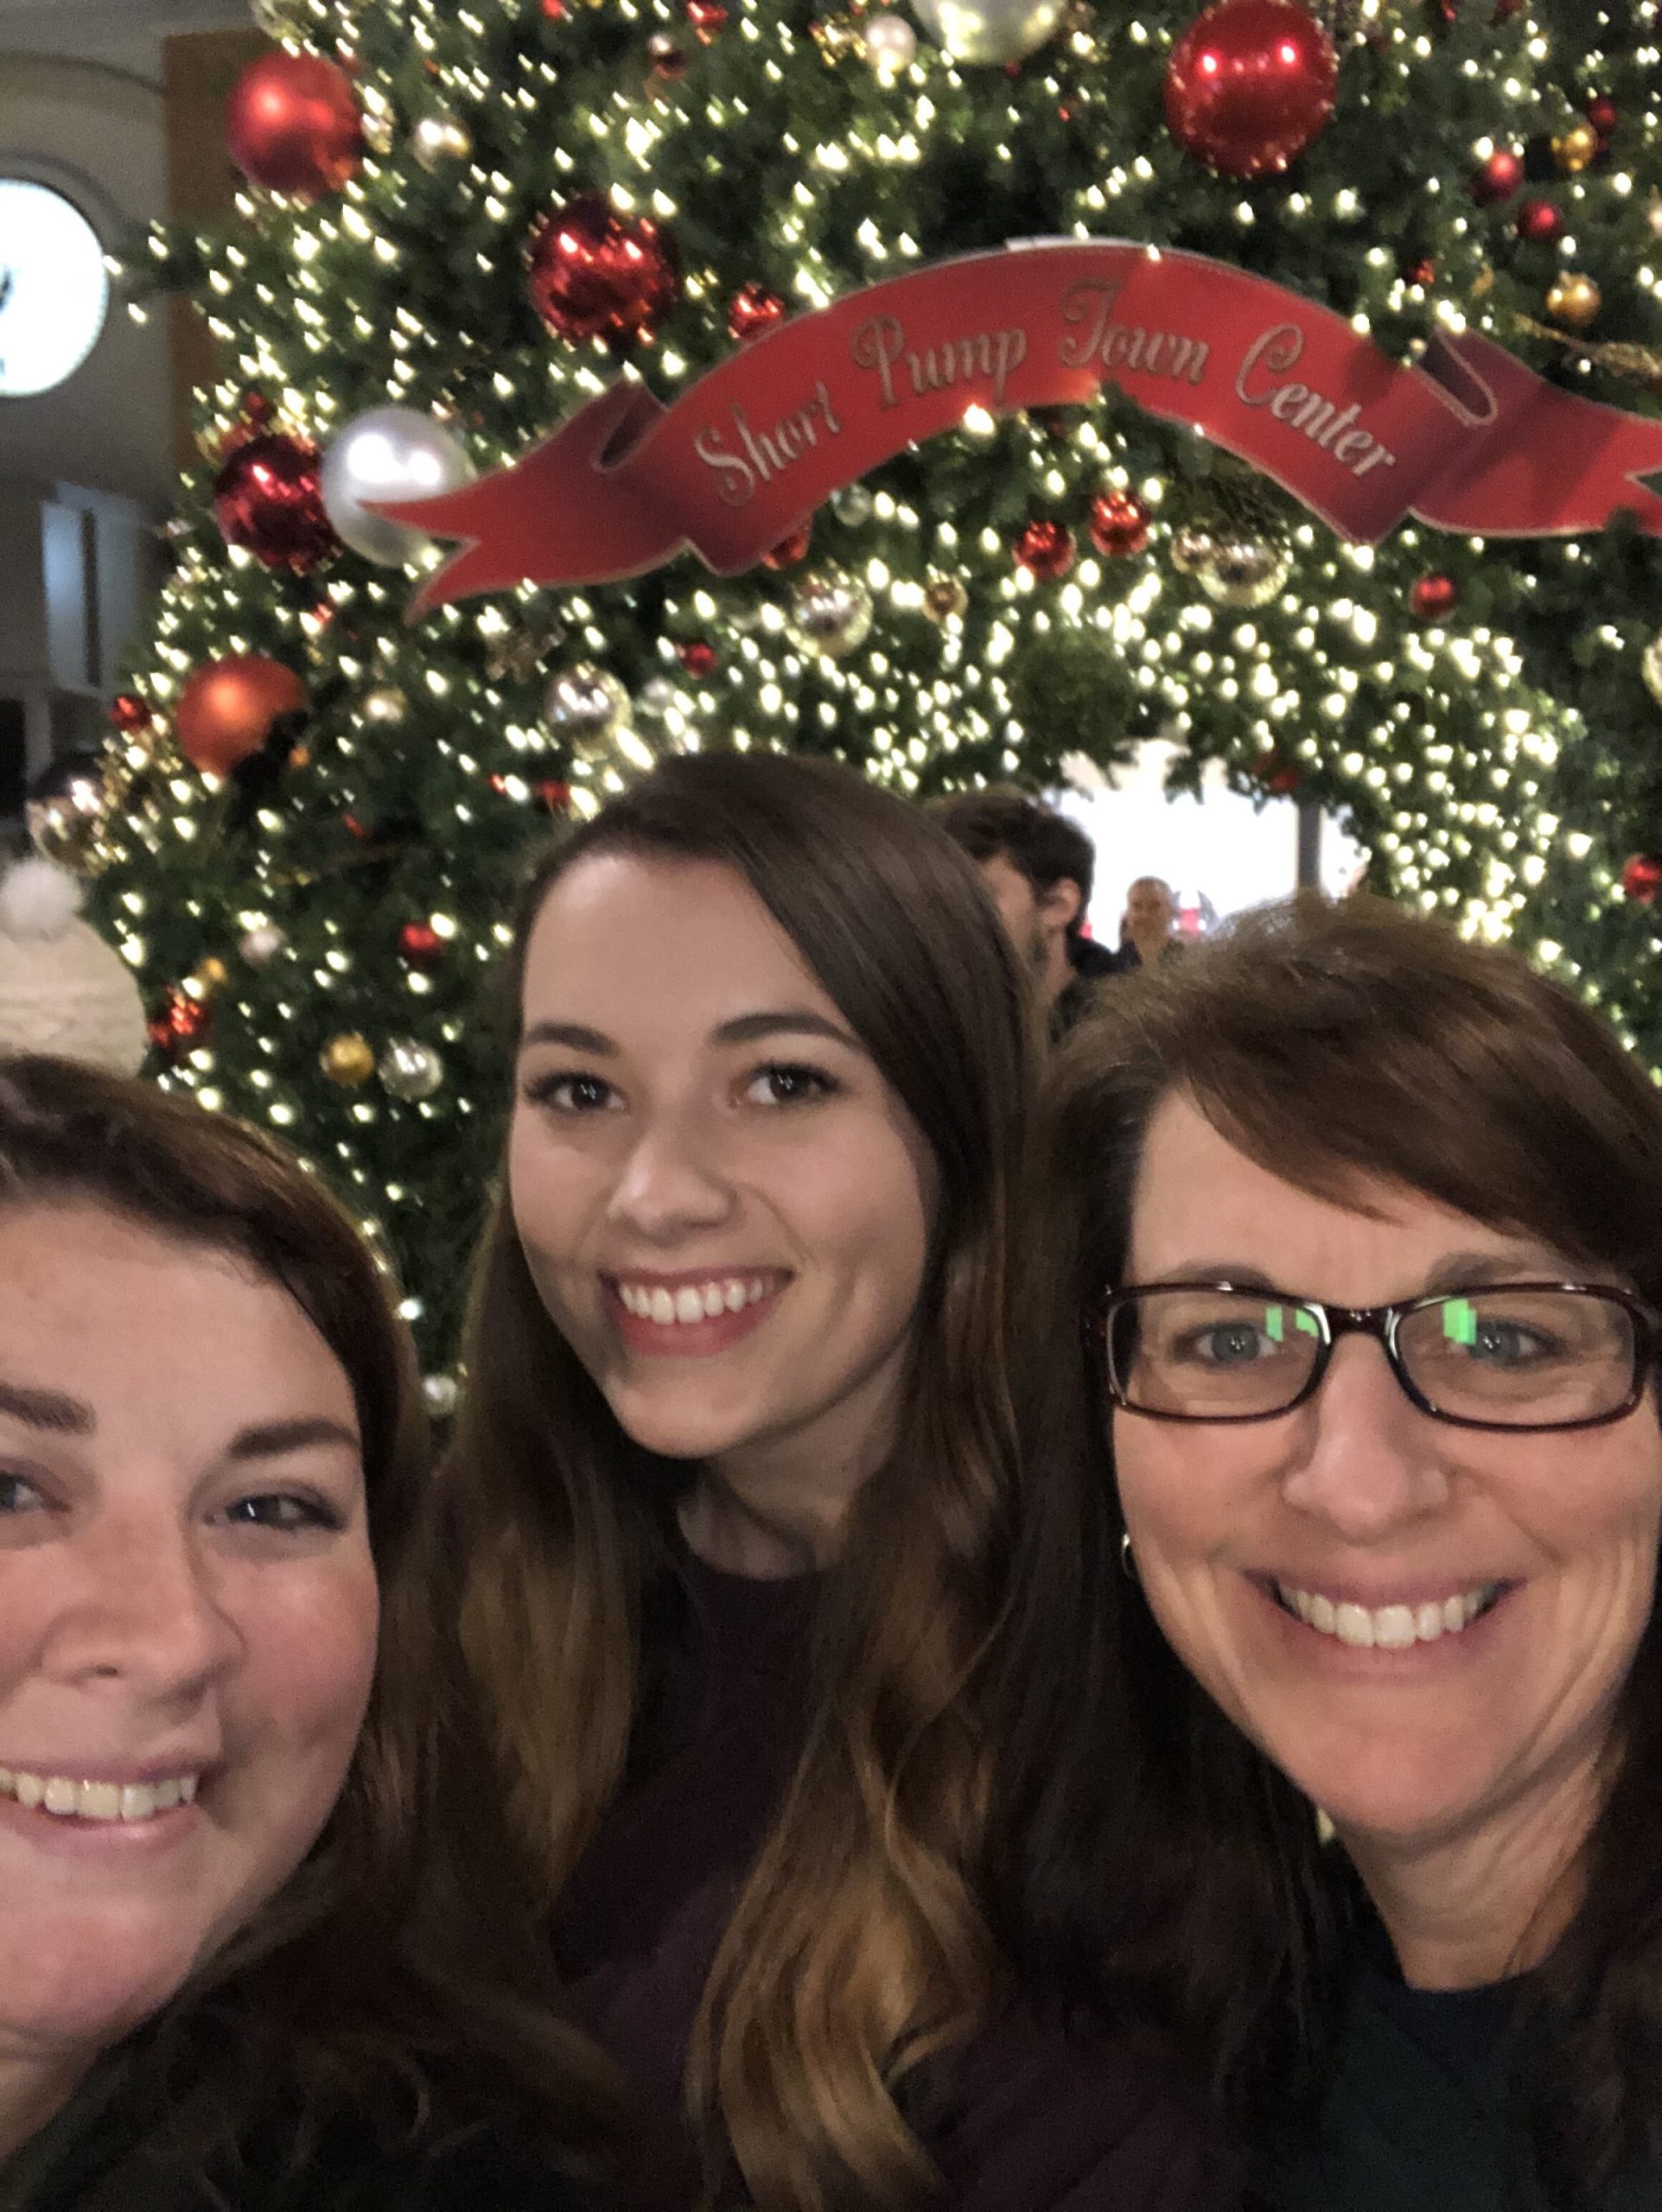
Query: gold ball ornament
[
  {"x": 347, "y": 1060},
  {"x": 1574, "y": 300},
  {"x": 439, "y": 139},
  {"x": 1576, "y": 149},
  {"x": 830, "y": 614},
  {"x": 1246, "y": 571},
  {"x": 945, "y": 600},
  {"x": 1650, "y": 667}
]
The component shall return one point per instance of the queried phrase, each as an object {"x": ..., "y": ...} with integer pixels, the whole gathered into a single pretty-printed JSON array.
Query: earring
[{"x": 1128, "y": 1559}]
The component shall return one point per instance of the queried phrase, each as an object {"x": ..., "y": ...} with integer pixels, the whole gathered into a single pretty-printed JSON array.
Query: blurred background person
[{"x": 1039, "y": 867}]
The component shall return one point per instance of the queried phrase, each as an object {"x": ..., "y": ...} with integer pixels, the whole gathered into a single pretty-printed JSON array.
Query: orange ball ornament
[{"x": 227, "y": 710}]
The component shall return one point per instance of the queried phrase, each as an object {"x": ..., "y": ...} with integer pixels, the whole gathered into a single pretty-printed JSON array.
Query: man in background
[{"x": 1038, "y": 866}]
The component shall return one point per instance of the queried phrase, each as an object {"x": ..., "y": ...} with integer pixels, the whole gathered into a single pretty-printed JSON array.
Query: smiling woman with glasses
[{"x": 1364, "y": 1225}]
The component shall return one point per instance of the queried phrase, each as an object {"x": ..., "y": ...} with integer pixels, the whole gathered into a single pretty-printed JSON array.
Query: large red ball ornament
[
  {"x": 1642, "y": 879},
  {"x": 1498, "y": 178},
  {"x": 596, "y": 274},
  {"x": 226, "y": 710},
  {"x": 1045, "y": 550},
  {"x": 1249, "y": 85},
  {"x": 1540, "y": 222},
  {"x": 269, "y": 499},
  {"x": 293, "y": 125},
  {"x": 1119, "y": 525}
]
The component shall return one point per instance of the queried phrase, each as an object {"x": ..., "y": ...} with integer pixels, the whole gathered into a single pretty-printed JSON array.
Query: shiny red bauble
[
  {"x": 791, "y": 550},
  {"x": 1642, "y": 878},
  {"x": 420, "y": 947},
  {"x": 1540, "y": 222},
  {"x": 594, "y": 274},
  {"x": 1432, "y": 597},
  {"x": 1045, "y": 550},
  {"x": 697, "y": 657},
  {"x": 268, "y": 498},
  {"x": 293, "y": 125},
  {"x": 753, "y": 310},
  {"x": 1249, "y": 85},
  {"x": 1119, "y": 525},
  {"x": 1498, "y": 178},
  {"x": 226, "y": 710}
]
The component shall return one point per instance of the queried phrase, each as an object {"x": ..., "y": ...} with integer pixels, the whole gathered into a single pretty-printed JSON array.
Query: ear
[{"x": 1059, "y": 906}]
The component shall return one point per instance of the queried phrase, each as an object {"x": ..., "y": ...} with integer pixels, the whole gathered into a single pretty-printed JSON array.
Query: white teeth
[
  {"x": 692, "y": 1302},
  {"x": 1387, "y": 1628},
  {"x": 61, "y": 1794}
]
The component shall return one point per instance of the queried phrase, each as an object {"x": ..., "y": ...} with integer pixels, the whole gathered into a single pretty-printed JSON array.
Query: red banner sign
[{"x": 1469, "y": 440}]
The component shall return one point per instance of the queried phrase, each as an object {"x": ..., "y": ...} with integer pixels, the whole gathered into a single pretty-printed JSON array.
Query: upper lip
[{"x": 1412, "y": 1589}]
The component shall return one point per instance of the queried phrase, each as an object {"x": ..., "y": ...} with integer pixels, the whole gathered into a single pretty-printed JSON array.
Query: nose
[
  {"x": 1363, "y": 1458},
  {"x": 142, "y": 1614},
  {"x": 671, "y": 1182}
]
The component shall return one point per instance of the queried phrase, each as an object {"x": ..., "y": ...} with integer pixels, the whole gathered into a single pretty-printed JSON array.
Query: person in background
[
  {"x": 216, "y": 1991},
  {"x": 1039, "y": 867},
  {"x": 1367, "y": 1221},
  {"x": 734, "y": 1491},
  {"x": 1148, "y": 933}
]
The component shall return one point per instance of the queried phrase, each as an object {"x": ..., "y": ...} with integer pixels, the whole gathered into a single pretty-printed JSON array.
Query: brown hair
[
  {"x": 1330, "y": 1045},
  {"x": 368, "y": 1984},
  {"x": 858, "y": 1944}
]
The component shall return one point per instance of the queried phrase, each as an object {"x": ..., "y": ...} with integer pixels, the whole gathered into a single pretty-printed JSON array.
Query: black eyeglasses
[{"x": 1511, "y": 1355}]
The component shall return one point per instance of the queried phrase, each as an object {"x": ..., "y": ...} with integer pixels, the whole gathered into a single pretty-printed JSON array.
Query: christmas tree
[{"x": 461, "y": 224}]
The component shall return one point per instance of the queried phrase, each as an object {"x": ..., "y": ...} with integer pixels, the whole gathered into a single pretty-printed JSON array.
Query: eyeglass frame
[{"x": 1382, "y": 1323}]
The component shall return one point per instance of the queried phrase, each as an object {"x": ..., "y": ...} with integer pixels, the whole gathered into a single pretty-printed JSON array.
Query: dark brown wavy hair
[
  {"x": 858, "y": 1945},
  {"x": 375, "y": 1985},
  {"x": 1157, "y": 1857}
]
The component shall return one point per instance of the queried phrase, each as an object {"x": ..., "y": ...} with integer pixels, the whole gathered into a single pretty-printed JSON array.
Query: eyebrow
[
  {"x": 743, "y": 1029},
  {"x": 49, "y": 1410}
]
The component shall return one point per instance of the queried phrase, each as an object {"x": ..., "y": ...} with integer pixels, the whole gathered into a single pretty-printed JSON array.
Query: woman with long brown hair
[
  {"x": 231, "y": 1976},
  {"x": 1365, "y": 1225},
  {"x": 735, "y": 1490}
]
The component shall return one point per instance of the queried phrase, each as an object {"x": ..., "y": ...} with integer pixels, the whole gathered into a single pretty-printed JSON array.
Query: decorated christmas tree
[{"x": 952, "y": 393}]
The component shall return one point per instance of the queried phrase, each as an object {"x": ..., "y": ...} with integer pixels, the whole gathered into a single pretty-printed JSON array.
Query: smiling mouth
[
  {"x": 1388, "y": 1628},
  {"x": 129, "y": 1803}
]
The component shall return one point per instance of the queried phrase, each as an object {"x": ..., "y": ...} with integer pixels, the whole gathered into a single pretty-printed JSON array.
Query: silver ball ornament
[
  {"x": 584, "y": 706},
  {"x": 830, "y": 614},
  {"x": 1246, "y": 571},
  {"x": 262, "y": 945},
  {"x": 391, "y": 453},
  {"x": 1650, "y": 667},
  {"x": 410, "y": 1070},
  {"x": 990, "y": 30}
]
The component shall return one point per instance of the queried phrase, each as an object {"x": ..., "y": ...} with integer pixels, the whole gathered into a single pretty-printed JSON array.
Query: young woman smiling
[
  {"x": 1367, "y": 1223},
  {"x": 216, "y": 1694},
  {"x": 736, "y": 1490}
]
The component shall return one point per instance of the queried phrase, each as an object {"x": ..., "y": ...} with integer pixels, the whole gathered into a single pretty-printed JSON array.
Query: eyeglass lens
[{"x": 1504, "y": 1357}]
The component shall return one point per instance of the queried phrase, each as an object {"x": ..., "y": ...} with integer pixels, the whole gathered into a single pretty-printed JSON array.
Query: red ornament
[
  {"x": 791, "y": 550},
  {"x": 1539, "y": 222},
  {"x": 293, "y": 125},
  {"x": 697, "y": 656},
  {"x": 1498, "y": 178},
  {"x": 179, "y": 1022},
  {"x": 1642, "y": 878},
  {"x": 754, "y": 310},
  {"x": 596, "y": 274},
  {"x": 708, "y": 18},
  {"x": 1249, "y": 85},
  {"x": 268, "y": 498},
  {"x": 129, "y": 714},
  {"x": 1432, "y": 597},
  {"x": 226, "y": 710},
  {"x": 420, "y": 947},
  {"x": 1045, "y": 550},
  {"x": 1119, "y": 525},
  {"x": 1603, "y": 114}
]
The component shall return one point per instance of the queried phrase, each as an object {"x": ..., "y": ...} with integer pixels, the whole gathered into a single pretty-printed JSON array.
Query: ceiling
[{"x": 118, "y": 34}]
